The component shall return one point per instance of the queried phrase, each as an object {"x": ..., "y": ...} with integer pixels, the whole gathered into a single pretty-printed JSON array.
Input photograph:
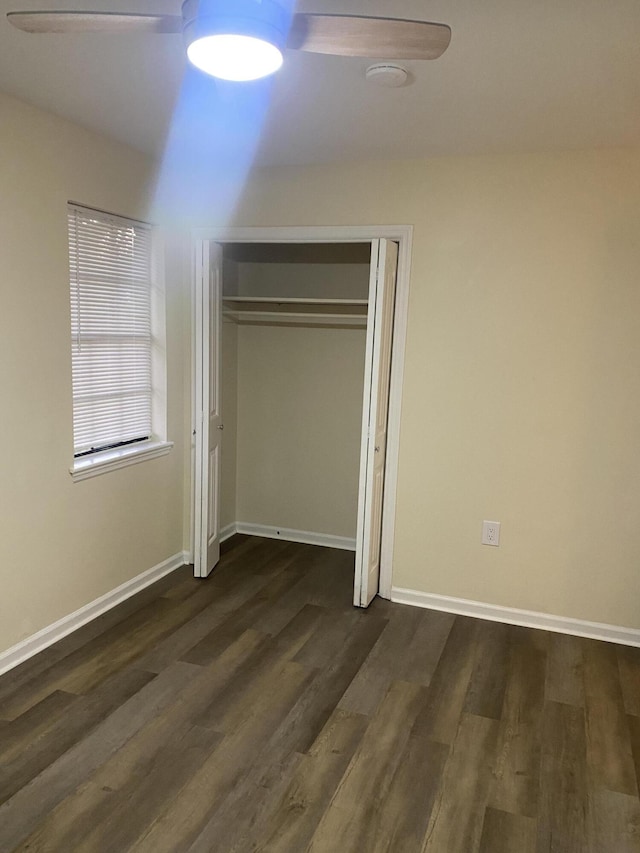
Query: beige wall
[
  {"x": 299, "y": 422},
  {"x": 65, "y": 543},
  {"x": 522, "y": 378}
]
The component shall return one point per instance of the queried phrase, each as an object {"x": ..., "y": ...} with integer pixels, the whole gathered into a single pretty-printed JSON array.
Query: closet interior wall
[{"x": 292, "y": 391}]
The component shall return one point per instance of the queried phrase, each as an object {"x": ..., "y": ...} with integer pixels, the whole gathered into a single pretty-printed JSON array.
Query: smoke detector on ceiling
[{"x": 388, "y": 75}]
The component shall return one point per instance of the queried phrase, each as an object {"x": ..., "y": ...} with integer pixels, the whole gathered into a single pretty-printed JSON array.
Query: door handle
[{"x": 220, "y": 426}]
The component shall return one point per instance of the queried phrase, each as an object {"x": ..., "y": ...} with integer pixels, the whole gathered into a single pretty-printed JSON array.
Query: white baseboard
[
  {"x": 305, "y": 536},
  {"x": 513, "y": 616},
  {"x": 228, "y": 531},
  {"x": 52, "y": 633}
]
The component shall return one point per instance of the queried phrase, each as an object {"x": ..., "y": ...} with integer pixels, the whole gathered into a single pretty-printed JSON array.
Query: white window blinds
[{"x": 110, "y": 276}]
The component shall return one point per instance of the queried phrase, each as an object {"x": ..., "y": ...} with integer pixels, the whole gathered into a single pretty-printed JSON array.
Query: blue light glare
[
  {"x": 212, "y": 142},
  {"x": 210, "y": 149}
]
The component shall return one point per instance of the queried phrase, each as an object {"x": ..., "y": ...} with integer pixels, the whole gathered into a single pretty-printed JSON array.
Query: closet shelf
[{"x": 334, "y": 312}]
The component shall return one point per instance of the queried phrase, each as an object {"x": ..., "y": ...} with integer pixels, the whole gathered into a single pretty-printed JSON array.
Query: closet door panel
[
  {"x": 208, "y": 420},
  {"x": 384, "y": 265}
]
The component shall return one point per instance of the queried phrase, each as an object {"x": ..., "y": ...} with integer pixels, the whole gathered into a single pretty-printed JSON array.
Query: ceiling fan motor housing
[{"x": 260, "y": 19}]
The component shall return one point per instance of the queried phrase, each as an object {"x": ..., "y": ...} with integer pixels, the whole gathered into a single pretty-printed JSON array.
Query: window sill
[{"x": 110, "y": 460}]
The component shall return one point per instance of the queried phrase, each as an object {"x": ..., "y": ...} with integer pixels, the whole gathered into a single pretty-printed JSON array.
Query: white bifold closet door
[
  {"x": 207, "y": 415},
  {"x": 382, "y": 291}
]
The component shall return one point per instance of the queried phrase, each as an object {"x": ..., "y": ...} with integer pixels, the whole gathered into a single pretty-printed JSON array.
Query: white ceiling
[{"x": 520, "y": 75}]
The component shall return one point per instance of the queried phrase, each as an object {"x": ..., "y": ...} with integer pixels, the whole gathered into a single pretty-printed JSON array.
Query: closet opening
[{"x": 296, "y": 405}]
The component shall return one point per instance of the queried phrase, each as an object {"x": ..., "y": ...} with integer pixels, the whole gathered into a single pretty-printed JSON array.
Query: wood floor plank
[
  {"x": 229, "y": 629},
  {"x": 187, "y": 587},
  {"x": 279, "y": 556},
  {"x": 193, "y": 807},
  {"x": 565, "y": 671},
  {"x": 330, "y": 579},
  {"x": 516, "y": 783},
  {"x": 503, "y": 832},
  {"x": 298, "y": 728},
  {"x": 298, "y": 630},
  {"x": 609, "y": 755},
  {"x": 562, "y": 824},
  {"x": 143, "y": 753},
  {"x": 404, "y": 814},
  {"x": 309, "y": 564},
  {"x": 243, "y": 567},
  {"x": 316, "y": 704},
  {"x": 146, "y": 797},
  {"x": 421, "y": 657},
  {"x": 633, "y": 723},
  {"x": 128, "y": 648},
  {"x": 257, "y": 670},
  {"x": 458, "y": 813},
  {"x": 485, "y": 694},
  {"x": 115, "y": 648},
  {"x": 30, "y": 726},
  {"x": 276, "y": 758},
  {"x": 179, "y": 642},
  {"x": 629, "y": 669},
  {"x": 296, "y": 814},
  {"x": 239, "y": 822},
  {"x": 614, "y": 823},
  {"x": 67, "y": 728},
  {"x": 408, "y": 650},
  {"x": 381, "y": 667},
  {"x": 259, "y": 556},
  {"x": 440, "y": 717},
  {"x": 242, "y": 550},
  {"x": 26, "y": 809},
  {"x": 335, "y": 630},
  {"x": 353, "y": 814},
  {"x": 234, "y": 541},
  {"x": 85, "y": 822}
]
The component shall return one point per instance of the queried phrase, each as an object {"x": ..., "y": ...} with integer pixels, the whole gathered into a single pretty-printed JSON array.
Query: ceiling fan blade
[
  {"x": 94, "y": 22},
  {"x": 378, "y": 38}
]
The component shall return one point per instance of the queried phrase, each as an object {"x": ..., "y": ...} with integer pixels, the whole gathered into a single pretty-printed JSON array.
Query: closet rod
[
  {"x": 294, "y": 300},
  {"x": 309, "y": 318}
]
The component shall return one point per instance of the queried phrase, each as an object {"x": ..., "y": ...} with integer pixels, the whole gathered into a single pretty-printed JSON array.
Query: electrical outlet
[{"x": 491, "y": 533}]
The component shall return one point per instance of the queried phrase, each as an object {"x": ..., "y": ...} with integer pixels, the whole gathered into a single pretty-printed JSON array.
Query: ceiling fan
[{"x": 244, "y": 39}]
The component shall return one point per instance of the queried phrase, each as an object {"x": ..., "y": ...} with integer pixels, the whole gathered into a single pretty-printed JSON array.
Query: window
[{"x": 110, "y": 265}]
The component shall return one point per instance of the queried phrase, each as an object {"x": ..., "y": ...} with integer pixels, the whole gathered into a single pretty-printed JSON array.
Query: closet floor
[{"x": 259, "y": 711}]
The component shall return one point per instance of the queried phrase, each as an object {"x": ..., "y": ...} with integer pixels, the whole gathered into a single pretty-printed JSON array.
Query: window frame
[{"x": 102, "y": 461}]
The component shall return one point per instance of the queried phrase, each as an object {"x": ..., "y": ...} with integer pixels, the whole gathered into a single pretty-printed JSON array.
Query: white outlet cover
[{"x": 491, "y": 533}]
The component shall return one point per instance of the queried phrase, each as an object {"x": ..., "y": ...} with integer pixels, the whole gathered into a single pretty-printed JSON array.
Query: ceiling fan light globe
[
  {"x": 235, "y": 57},
  {"x": 236, "y": 39}
]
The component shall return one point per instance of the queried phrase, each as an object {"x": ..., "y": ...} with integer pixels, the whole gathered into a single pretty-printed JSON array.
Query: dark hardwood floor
[{"x": 259, "y": 711}]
